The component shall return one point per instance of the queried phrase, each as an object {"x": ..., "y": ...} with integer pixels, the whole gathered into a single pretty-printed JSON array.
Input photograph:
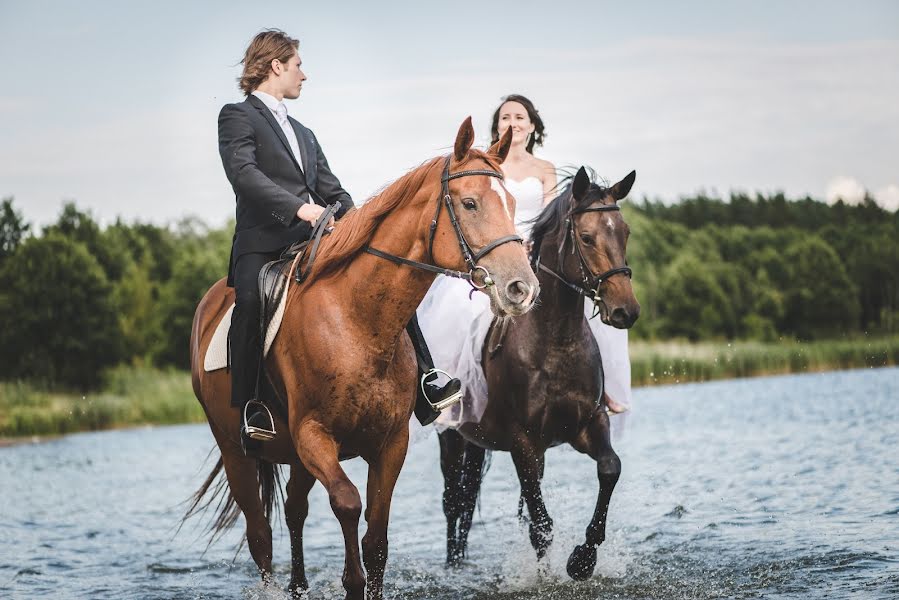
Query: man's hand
[{"x": 311, "y": 212}]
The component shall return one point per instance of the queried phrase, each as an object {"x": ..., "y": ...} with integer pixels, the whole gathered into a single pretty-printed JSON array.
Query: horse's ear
[
  {"x": 621, "y": 189},
  {"x": 580, "y": 184},
  {"x": 501, "y": 148},
  {"x": 464, "y": 140}
]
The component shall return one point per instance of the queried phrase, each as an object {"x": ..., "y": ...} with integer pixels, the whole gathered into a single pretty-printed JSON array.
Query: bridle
[
  {"x": 470, "y": 256},
  {"x": 590, "y": 283}
]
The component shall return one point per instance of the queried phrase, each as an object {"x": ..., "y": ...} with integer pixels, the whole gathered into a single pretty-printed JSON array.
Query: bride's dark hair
[{"x": 533, "y": 115}]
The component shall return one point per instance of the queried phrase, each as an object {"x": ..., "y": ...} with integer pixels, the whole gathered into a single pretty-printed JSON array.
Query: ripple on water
[{"x": 783, "y": 501}]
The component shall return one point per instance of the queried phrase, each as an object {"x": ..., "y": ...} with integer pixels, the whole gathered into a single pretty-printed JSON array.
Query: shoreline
[
  {"x": 673, "y": 382},
  {"x": 8, "y": 441}
]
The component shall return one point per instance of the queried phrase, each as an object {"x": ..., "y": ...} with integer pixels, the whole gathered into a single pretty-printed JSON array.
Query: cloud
[
  {"x": 852, "y": 192},
  {"x": 848, "y": 189},
  {"x": 714, "y": 113},
  {"x": 888, "y": 197}
]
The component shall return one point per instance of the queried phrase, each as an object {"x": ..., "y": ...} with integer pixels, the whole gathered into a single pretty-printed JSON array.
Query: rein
[
  {"x": 315, "y": 239},
  {"x": 470, "y": 257},
  {"x": 590, "y": 283}
]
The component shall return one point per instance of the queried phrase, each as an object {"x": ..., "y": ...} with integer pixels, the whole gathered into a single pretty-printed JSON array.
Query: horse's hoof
[
  {"x": 299, "y": 589},
  {"x": 582, "y": 562},
  {"x": 454, "y": 555},
  {"x": 541, "y": 539}
]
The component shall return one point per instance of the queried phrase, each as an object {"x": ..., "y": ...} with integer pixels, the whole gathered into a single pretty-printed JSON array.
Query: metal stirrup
[
  {"x": 446, "y": 402},
  {"x": 258, "y": 433}
]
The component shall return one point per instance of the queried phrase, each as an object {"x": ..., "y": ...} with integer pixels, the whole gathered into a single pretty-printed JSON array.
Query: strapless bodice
[{"x": 528, "y": 195}]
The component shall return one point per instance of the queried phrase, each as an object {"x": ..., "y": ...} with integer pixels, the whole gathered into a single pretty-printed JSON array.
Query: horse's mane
[
  {"x": 356, "y": 229},
  {"x": 552, "y": 217}
]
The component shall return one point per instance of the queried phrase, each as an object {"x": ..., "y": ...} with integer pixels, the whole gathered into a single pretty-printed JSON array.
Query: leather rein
[
  {"x": 470, "y": 256},
  {"x": 590, "y": 283}
]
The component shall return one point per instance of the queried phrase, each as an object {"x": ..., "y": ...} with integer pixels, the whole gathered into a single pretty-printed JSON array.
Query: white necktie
[
  {"x": 281, "y": 111},
  {"x": 281, "y": 115}
]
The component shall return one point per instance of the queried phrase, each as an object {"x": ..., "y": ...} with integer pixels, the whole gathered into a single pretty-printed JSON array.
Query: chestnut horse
[
  {"x": 342, "y": 362},
  {"x": 545, "y": 381}
]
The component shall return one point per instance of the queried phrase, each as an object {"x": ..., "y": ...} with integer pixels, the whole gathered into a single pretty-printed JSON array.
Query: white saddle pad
[{"x": 217, "y": 353}]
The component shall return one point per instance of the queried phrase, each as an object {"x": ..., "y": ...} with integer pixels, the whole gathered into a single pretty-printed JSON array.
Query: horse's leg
[
  {"x": 382, "y": 474},
  {"x": 319, "y": 453},
  {"x": 452, "y": 454},
  {"x": 521, "y": 516},
  {"x": 528, "y": 462},
  {"x": 243, "y": 481},
  {"x": 470, "y": 488},
  {"x": 296, "y": 507},
  {"x": 594, "y": 441}
]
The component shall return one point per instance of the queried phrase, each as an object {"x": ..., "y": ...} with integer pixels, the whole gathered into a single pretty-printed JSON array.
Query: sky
[{"x": 114, "y": 104}]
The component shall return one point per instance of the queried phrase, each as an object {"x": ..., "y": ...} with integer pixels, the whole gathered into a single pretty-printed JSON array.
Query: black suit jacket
[{"x": 267, "y": 181}]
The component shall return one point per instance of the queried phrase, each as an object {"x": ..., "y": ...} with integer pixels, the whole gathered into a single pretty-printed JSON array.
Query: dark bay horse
[
  {"x": 342, "y": 362},
  {"x": 544, "y": 383}
]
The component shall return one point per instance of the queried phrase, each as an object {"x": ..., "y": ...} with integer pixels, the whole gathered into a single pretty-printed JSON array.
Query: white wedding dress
[{"x": 455, "y": 323}]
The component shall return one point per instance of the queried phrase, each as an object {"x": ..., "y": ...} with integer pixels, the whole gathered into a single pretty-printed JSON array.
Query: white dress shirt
[{"x": 279, "y": 110}]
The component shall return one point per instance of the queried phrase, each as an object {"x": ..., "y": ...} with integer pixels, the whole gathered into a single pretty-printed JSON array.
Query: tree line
[
  {"x": 76, "y": 298},
  {"x": 764, "y": 268}
]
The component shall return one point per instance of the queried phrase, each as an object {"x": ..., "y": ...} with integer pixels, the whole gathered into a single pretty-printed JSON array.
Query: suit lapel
[
  {"x": 308, "y": 151},
  {"x": 262, "y": 108}
]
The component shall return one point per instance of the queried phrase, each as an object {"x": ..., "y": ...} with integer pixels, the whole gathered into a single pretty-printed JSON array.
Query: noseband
[
  {"x": 470, "y": 257},
  {"x": 590, "y": 283}
]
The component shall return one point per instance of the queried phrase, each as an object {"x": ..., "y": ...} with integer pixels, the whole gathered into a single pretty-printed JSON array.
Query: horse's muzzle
[
  {"x": 520, "y": 295},
  {"x": 624, "y": 319}
]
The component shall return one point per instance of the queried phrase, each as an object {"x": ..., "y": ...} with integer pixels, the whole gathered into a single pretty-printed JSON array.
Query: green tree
[
  {"x": 13, "y": 228},
  {"x": 766, "y": 309},
  {"x": 821, "y": 299},
  {"x": 56, "y": 305},
  {"x": 202, "y": 260},
  {"x": 80, "y": 226},
  {"x": 695, "y": 306},
  {"x": 136, "y": 297}
]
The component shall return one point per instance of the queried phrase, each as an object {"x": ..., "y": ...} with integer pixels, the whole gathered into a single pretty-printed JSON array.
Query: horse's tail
[{"x": 216, "y": 491}]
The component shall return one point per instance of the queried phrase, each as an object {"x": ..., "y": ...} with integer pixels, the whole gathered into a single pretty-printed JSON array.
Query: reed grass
[
  {"x": 143, "y": 395},
  {"x": 676, "y": 362},
  {"x": 130, "y": 396}
]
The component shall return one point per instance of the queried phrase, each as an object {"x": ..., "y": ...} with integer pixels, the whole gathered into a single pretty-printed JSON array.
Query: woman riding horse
[{"x": 543, "y": 370}]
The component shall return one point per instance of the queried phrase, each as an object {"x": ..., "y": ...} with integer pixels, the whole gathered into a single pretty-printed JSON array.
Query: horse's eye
[
  {"x": 469, "y": 204},
  {"x": 587, "y": 239}
]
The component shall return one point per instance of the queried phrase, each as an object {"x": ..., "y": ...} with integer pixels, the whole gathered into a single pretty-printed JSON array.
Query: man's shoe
[{"x": 433, "y": 398}]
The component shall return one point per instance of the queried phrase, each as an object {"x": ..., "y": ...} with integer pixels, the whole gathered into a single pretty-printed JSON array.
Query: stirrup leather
[
  {"x": 446, "y": 402},
  {"x": 258, "y": 433}
]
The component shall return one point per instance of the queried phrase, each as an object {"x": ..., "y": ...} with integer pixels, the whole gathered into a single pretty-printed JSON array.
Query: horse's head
[
  {"x": 478, "y": 233},
  {"x": 599, "y": 237},
  {"x": 585, "y": 226}
]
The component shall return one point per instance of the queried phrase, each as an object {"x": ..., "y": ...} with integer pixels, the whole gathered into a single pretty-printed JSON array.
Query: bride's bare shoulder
[{"x": 546, "y": 170}]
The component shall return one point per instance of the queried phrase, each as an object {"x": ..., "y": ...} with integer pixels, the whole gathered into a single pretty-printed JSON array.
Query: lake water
[{"x": 778, "y": 487}]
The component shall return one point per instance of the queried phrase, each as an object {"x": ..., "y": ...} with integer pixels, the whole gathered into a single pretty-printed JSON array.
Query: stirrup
[
  {"x": 446, "y": 402},
  {"x": 258, "y": 433}
]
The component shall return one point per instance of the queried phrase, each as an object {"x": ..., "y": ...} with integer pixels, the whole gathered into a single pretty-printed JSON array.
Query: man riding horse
[{"x": 282, "y": 184}]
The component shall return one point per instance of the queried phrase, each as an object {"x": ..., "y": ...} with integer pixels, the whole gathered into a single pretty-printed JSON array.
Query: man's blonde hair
[{"x": 268, "y": 45}]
